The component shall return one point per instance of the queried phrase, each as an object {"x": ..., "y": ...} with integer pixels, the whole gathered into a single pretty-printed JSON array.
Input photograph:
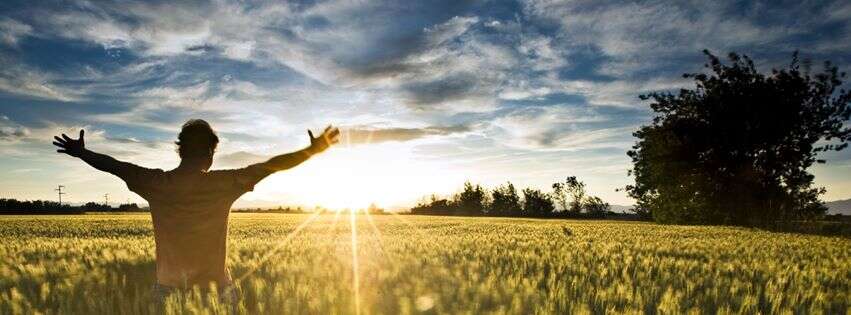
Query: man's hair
[{"x": 196, "y": 139}]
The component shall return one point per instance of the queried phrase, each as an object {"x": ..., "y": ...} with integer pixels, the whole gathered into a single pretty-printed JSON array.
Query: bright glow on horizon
[{"x": 386, "y": 174}]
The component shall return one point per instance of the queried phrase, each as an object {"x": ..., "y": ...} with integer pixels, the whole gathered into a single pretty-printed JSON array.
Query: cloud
[
  {"x": 239, "y": 50},
  {"x": 449, "y": 30},
  {"x": 12, "y": 132},
  {"x": 621, "y": 93},
  {"x": 456, "y": 65},
  {"x": 38, "y": 139},
  {"x": 161, "y": 29},
  {"x": 23, "y": 80},
  {"x": 132, "y": 140},
  {"x": 361, "y": 135},
  {"x": 465, "y": 65},
  {"x": 239, "y": 159},
  {"x": 11, "y": 31},
  {"x": 560, "y": 128},
  {"x": 176, "y": 96},
  {"x": 460, "y": 64},
  {"x": 459, "y": 87},
  {"x": 651, "y": 36}
]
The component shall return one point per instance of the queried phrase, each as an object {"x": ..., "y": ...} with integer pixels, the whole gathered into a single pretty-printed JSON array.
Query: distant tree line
[
  {"x": 279, "y": 209},
  {"x": 567, "y": 199},
  {"x": 372, "y": 209},
  {"x": 14, "y": 206}
]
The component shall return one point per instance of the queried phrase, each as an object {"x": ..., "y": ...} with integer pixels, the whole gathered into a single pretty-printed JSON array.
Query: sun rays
[
  {"x": 355, "y": 261},
  {"x": 376, "y": 232},
  {"x": 353, "y": 205},
  {"x": 280, "y": 245},
  {"x": 354, "y": 242}
]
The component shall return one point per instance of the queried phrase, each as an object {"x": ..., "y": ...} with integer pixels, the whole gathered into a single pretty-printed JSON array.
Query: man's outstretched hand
[
  {"x": 326, "y": 139},
  {"x": 70, "y": 146}
]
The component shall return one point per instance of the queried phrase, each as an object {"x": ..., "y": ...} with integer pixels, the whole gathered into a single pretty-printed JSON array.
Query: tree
[
  {"x": 374, "y": 209},
  {"x": 14, "y": 206},
  {"x": 128, "y": 207},
  {"x": 736, "y": 148},
  {"x": 596, "y": 206},
  {"x": 537, "y": 203},
  {"x": 94, "y": 206},
  {"x": 505, "y": 201},
  {"x": 471, "y": 200},
  {"x": 560, "y": 197},
  {"x": 576, "y": 189},
  {"x": 434, "y": 205}
]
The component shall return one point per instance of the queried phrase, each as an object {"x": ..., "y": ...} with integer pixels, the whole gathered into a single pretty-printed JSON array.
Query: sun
[
  {"x": 351, "y": 191},
  {"x": 354, "y": 177}
]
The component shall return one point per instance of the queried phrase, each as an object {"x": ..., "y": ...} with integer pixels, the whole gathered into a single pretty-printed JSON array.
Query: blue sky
[{"x": 428, "y": 94}]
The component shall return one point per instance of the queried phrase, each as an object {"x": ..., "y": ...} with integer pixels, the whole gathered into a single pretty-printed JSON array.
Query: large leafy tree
[{"x": 735, "y": 149}]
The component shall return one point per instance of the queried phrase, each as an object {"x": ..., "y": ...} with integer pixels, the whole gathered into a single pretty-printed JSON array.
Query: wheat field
[{"x": 395, "y": 264}]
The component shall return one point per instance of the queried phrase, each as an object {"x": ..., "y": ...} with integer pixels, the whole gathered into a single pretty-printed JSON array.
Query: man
[{"x": 190, "y": 204}]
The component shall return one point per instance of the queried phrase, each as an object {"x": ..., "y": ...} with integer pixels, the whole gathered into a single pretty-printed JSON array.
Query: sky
[{"x": 428, "y": 94}]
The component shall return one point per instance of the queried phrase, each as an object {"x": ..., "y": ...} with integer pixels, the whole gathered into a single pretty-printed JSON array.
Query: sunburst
[{"x": 280, "y": 244}]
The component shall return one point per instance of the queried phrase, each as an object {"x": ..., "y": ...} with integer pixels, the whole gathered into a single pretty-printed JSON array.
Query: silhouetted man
[{"x": 190, "y": 204}]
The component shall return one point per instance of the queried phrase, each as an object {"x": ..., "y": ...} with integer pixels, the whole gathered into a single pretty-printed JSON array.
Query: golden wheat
[{"x": 104, "y": 264}]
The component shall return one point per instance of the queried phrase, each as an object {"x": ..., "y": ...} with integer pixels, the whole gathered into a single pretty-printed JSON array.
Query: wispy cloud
[
  {"x": 238, "y": 159},
  {"x": 11, "y": 30},
  {"x": 10, "y": 131},
  {"x": 561, "y": 128},
  {"x": 367, "y": 135},
  {"x": 28, "y": 82}
]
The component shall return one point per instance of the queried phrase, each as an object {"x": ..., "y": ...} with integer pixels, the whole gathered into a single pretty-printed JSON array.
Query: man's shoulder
[
  {"x": 141, "y": 179},
  {"x": 239, "y": 178},
  {"x": 156, "y": 172}
]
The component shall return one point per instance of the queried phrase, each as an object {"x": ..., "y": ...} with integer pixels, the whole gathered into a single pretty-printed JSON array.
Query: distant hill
[
  {"x": 622, "y": 209},
  {"x": 839, "y": 206}
]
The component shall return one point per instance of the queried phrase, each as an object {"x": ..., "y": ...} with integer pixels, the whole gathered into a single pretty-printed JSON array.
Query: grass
[{"x": 97, "y": 264}]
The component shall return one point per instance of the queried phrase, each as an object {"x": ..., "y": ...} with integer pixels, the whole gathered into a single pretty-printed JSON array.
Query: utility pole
[
  {"x": 106, "y": 199},
  {"x": 60, "y": 194}
]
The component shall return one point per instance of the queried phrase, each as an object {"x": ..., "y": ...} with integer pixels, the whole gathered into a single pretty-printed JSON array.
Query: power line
[
  {"x": 106, "y": 199},
  {"x": 59, "y": 190}
]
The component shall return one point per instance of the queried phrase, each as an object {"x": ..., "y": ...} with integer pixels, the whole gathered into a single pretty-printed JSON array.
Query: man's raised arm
[
  {"x": 77, "y": 148},
  {"x": 286, "y": 161}
]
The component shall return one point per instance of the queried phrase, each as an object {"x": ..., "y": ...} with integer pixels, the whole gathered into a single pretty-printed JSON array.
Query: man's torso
[{"x": 190, "y": 218}]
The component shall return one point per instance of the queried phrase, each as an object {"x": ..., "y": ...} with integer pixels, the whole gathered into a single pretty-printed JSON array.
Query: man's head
[{"x": 197, "y": 142}]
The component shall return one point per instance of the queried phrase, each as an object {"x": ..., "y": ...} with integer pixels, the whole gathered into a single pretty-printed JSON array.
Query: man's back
[
  {"x": 190, "y": 205},
  {"x": 190, "y": 216}
]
